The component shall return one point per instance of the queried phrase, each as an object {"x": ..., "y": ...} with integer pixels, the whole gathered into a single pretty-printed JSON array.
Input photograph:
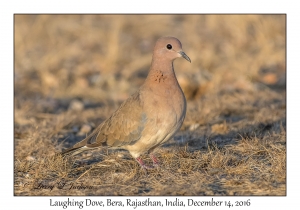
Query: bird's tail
[
  {"x": 81, "y": 146},
  {"x": 74, "y": 151}
]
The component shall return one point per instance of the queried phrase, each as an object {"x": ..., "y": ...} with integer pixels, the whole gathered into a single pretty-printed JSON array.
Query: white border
[{"x": 8, "y": 8}]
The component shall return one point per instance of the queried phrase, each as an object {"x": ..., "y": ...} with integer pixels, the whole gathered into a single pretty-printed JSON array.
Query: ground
[{"x": 72, "y": 71}]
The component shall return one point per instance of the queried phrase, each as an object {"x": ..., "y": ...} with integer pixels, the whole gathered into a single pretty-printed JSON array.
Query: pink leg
[
  {"x": 142, "y": 164},
  {"x": 154, "y": 159}
]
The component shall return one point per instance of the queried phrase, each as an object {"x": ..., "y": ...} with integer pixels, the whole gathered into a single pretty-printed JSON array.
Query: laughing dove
[{"x": 148, "y": 118}]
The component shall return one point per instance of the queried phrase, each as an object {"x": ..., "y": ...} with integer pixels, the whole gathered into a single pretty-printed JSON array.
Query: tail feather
[
  {"x": 75, "y": 151},
  {"x": 81, "y": 146}
]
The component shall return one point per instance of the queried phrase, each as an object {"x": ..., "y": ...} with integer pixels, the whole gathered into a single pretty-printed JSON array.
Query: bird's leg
[
  {"x": 142, "y": 164},
  {"x": 154, "y": 159}
]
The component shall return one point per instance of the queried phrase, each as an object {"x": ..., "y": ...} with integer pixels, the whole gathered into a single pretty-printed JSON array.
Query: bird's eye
[{"x": 169, "y": 47}]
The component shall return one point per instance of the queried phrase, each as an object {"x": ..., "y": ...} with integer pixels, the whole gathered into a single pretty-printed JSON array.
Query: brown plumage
[{"x": 151, "y": 116}]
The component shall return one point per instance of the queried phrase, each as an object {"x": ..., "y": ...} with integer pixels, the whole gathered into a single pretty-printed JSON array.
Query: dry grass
[{"x": 73, "y": 71}]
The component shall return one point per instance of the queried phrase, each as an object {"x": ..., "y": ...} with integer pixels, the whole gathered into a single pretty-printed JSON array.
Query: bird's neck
[{"x": 161, "y": 72}]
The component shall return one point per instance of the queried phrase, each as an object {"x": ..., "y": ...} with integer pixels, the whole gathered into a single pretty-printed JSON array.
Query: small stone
[
  {"x": 194, "y": 127},
  {"x": 214, "y": 171},
  {"x": 30, "y": 158},
  {"x": 76, "y": 105},
  {"x": 220, "y": 128},
  {"x": 52, "y": 153},
  {"x": 120, "y": 155},
  {"x": 118, "y": 174},
  {"x": 223, "y": 180},
  {"x": 85, "y": 129}
]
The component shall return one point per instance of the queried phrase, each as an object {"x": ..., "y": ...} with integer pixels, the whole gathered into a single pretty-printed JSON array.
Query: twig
[{"x": 84, "y": 174}]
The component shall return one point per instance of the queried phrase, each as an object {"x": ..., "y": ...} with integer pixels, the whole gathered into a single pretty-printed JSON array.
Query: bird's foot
[
  {"x": 142, "y": 164},
  {"x": 155, "y": 160}
]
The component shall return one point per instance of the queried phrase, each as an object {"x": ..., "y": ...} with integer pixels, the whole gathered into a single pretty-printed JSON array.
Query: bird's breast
[{"x": 168, "y": 106}]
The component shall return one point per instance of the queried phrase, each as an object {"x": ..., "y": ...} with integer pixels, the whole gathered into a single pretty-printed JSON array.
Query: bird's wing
[{"x": 124, "y": 127}]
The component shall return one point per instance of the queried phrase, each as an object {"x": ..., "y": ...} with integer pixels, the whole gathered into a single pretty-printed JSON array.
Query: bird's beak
[{"x": 185, "y": 56}]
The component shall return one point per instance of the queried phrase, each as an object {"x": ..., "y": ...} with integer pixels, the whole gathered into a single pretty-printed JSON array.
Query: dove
[{"x": 149, "y": 117}]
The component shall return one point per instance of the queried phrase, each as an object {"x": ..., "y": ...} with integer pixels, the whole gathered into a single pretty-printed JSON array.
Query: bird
[{"x": 149, "y": 117}]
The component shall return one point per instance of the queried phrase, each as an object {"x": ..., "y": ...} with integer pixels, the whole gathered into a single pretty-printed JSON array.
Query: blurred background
[{"x": 99, "y": 57}]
